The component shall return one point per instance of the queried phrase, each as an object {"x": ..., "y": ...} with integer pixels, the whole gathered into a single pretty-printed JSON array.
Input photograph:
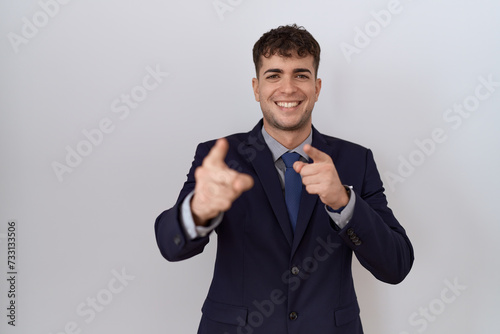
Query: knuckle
[
  {"x": 222, "y": 177},
  {"x": 210, "y": 189},
  {"x": 198, "y": 171}
]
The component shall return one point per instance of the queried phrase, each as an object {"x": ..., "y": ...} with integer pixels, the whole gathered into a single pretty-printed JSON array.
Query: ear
[
  {"x": 318, "y": 88},
  {"x": 255, "y": 86}
]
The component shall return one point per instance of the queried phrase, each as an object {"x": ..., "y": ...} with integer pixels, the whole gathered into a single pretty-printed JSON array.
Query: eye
[
  {"x": 302, "y": 76},
  {"x": 272, "y": 76}
]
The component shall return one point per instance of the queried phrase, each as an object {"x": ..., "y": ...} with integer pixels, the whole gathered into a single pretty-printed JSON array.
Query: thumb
[
  {"x": 243, "y": 182},
  {"x": 298, "y": 165}
]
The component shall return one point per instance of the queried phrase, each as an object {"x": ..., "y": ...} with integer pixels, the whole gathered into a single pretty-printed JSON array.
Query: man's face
[{"x": 287, "y": 90}]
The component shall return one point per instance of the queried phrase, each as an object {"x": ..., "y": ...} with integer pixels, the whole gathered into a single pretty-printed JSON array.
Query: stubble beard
[{"x": 274, "y": 123}]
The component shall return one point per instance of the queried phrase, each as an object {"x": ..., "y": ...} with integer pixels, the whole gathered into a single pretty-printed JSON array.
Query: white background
[{"x": 76, "y": 232}]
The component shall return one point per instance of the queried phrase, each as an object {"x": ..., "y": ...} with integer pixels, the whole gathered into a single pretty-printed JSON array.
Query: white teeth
[{"x": 288, "y": 104}]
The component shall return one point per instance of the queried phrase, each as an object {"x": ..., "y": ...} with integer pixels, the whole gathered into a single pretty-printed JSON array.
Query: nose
[{"x": 288, "y": 86}]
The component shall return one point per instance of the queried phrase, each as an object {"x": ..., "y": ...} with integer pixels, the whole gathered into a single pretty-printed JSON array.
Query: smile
[{"x": 288, "y": 104}]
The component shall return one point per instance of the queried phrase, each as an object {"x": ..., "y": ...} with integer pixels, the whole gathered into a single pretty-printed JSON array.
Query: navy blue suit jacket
[{"x": 268, "y": 279}]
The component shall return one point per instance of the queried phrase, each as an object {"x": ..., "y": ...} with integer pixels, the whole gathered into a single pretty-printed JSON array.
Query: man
[{"x": 286, "y": 230}]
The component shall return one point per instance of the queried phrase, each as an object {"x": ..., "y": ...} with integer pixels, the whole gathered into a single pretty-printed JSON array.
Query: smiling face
[{"x": 287, "y": 89}]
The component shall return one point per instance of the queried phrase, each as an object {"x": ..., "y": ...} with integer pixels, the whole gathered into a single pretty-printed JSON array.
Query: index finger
[
  {"x": 315, "y": 154},
  {"x": 217, "y": 153}
]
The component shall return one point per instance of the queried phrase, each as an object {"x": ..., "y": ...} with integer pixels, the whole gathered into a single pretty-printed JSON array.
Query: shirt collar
[{"x": 277, "y": 150}]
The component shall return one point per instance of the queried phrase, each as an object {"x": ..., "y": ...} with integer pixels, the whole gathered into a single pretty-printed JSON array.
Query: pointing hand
[
  {"x": 321, "y": 178},
  {"x": 217, "y": 185}
]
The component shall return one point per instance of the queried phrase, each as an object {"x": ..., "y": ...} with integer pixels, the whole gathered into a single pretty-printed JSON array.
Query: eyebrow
[{"x": 297, "y": 70}]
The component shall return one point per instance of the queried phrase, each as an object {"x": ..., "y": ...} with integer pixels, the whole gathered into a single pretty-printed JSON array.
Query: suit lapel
[{"x": 261, "y": 158}]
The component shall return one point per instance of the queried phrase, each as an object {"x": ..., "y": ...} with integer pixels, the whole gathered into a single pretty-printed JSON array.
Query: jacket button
[
  {"x": 177, "y": 240},
  {"x": 295, "y": 271},
  {"x": 350, "y": 232},
  {"x": 294, "y": 316}
]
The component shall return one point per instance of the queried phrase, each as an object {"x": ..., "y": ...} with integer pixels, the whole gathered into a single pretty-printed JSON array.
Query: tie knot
[{"x": 289, "y": 158}]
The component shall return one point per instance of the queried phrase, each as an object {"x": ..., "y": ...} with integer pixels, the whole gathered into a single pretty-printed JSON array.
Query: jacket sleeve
[
  {"x": 172, "y": 240},
  {"x": 374, "y": 234}
]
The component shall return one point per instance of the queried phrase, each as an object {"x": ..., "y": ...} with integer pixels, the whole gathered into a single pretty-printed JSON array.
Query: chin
[
  {"x": 288, "y": 123},
  {"x": 291, "y": 125}
]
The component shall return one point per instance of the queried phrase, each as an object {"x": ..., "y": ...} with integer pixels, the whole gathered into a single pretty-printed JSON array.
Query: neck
[{"x": 290, "y": 139}]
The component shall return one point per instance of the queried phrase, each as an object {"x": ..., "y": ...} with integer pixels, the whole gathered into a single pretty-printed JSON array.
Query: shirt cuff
[
  {"x": 342, "y": 218},
  {"x": 187, "y": 220}
]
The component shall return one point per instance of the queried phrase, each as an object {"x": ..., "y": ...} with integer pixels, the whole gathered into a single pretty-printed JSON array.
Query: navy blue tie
[{"x": 293, "y": 186}]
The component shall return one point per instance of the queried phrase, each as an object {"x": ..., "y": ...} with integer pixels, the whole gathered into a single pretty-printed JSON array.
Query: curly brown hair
[{"x": 286, "y": 41}]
